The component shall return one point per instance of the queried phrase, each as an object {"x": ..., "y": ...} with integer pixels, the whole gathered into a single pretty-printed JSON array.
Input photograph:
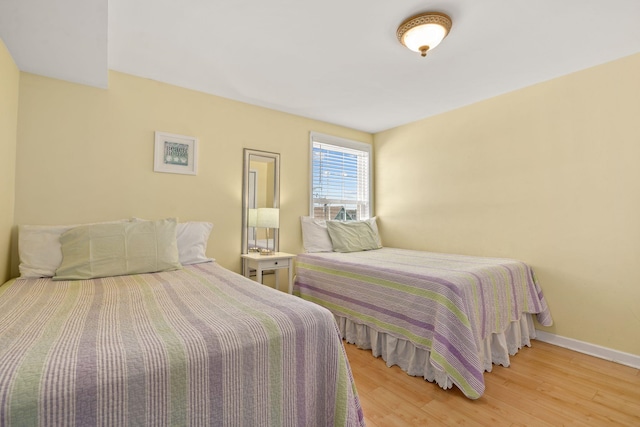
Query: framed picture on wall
[{"x": 175, "y": 154}]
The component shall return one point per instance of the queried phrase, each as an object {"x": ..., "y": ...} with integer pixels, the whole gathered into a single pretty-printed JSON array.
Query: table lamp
[{"x": 268, "y": 218}]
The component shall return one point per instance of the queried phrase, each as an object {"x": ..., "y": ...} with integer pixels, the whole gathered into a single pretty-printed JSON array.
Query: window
[{"x": 340, "y": 178}]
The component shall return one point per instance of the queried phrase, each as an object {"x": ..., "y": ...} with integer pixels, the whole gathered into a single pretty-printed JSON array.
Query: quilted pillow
[
  {"x": 192, "y": 238},
  {"x": 352, "y": 236},
  {"x": 117, "y": 249},
  {"x": 39, "y": 248}
]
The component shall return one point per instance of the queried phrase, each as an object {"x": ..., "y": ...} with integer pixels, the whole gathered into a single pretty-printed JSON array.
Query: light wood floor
[{"x": 545, "y": 385}]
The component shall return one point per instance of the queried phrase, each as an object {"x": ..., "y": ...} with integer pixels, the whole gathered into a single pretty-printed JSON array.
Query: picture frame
[{"x": 175, "y": 154}]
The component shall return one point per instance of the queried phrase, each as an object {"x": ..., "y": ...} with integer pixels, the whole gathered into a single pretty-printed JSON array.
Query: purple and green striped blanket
[
  {"x": 198, "y": 346},
  {"x": 446, "y": 304}
]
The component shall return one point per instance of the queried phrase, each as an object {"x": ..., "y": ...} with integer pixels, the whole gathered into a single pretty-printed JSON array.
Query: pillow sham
[
  {"x": 192, "y": 238},
  {"x": 315, "y": 237},
  {"x": 117, "y": 249},
  {"x": 39, "y": 248},
  {"x": 374, "y": 226},
  {"x": 352, "y": 236}
]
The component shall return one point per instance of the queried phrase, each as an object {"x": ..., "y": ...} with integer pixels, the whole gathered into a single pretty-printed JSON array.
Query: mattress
[
  {"x": 197, "y": 346},
  {"x": 447, "y": 306}
]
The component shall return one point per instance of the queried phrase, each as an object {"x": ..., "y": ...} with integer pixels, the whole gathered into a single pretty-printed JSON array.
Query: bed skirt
[{"x": 416, "y": 361}]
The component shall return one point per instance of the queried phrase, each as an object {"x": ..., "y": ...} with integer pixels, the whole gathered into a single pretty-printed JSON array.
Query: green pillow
[
  {"x": 104, "y": 250},
  {"x": 352, "y": 236}
]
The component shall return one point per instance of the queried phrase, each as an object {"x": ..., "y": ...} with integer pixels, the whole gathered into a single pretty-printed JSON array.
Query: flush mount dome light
[{"x": 423, "y": 32}]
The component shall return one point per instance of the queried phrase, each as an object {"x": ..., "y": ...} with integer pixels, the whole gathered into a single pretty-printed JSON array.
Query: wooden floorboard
[{"x": 545, "y": 385}]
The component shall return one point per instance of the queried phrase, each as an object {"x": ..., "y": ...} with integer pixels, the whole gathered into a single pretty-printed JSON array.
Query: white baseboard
[{"x": 627, "y": 359}]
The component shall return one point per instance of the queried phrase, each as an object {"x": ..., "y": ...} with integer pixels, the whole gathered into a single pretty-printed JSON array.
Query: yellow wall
[
  {"x": 548, "y": 174},
  {"x": 86, "y": 154},
  {"x": 9, "y": 86}
]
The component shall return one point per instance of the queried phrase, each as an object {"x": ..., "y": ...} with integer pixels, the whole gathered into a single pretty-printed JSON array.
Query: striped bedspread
[
  {"x": 198, "y": 346},
  {"x": 446, "y": 304}
]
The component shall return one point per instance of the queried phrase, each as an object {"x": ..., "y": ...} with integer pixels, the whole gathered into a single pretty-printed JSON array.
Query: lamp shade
[
  {"x": 424, "y": 32},
  {"x": 252, "y": 220},
  {"x": 268, "y": 218}
]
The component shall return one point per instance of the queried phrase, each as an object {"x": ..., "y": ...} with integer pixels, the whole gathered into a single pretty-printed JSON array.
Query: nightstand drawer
[{"x": 266, "y": 264}]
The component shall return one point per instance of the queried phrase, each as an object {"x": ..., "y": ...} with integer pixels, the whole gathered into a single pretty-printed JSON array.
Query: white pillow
[
  {"x": 40, "y": 250},
  {"x": 315, "y": 237},
  {"x": 192, "y": 240}
]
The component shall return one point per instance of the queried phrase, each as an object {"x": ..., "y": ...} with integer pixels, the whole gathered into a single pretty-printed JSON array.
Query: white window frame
[{"x": 345, "y": 143}]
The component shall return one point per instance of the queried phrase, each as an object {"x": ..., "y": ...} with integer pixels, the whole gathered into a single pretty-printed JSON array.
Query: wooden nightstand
[{"x": 275, "y": 262}]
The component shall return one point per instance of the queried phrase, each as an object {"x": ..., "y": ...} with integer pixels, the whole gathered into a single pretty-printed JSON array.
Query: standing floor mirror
[{"x": 260, "y": 189}]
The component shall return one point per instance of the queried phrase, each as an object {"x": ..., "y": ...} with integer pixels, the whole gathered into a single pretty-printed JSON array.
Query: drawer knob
[{"x": 276, "y": 263}]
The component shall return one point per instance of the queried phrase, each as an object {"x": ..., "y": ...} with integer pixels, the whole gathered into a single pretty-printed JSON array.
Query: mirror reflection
[{"x": 261, "y": 201}]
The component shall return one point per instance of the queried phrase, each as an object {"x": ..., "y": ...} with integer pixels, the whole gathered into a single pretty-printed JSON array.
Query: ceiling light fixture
[{"x": 423, "y": 32}]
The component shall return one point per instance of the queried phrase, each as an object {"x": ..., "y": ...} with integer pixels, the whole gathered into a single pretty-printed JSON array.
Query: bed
[
  {"x": 447, "y": 318},
  {"x": 192, "y": 345}
]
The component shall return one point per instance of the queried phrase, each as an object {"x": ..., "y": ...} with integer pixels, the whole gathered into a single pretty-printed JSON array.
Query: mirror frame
[{"x": 248, "y": 154}]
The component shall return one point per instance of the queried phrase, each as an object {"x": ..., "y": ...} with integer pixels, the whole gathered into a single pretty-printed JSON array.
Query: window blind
[{"x": 340, "y": 181}]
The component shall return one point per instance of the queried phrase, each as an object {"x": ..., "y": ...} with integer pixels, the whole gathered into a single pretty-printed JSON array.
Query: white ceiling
[{"x": 333, "y": 60}]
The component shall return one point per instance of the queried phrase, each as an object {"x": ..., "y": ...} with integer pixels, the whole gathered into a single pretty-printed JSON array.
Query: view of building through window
[{"x": 340, "y": 179}]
